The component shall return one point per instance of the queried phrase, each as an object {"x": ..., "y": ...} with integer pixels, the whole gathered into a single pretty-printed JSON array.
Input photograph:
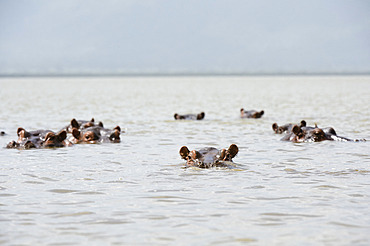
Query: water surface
[{"x": 138, "y": 193}]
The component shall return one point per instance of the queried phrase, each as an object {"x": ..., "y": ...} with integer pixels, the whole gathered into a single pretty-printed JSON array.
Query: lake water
[{"x": 138, "y": 193}]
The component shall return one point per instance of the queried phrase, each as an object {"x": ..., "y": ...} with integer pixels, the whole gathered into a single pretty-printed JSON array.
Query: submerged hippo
[
  {"x": 251, "y": 113},
  {"x": 208, "y": 157},
  {"x": 81, "y": 124},
  {"x": 96, "y": 134},
  {"x": 299, "y": 134},
  {"x": 190, "y": 116},
  {"x": 39, "y": 139},
  {"x": 286, "y": 128}
]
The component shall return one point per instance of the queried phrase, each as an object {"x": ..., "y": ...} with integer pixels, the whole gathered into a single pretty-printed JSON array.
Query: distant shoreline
[{"x": 180, "y": 74}]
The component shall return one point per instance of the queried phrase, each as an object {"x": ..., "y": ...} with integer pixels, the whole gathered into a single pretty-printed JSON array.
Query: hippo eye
[{"x": 87, "y": 137}]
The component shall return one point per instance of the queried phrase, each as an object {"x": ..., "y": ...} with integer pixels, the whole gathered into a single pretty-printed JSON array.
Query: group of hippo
[
  {"x": 81, "y": 131},
  {"x": 78, "y": 131},
  {"x": 297, "y": 133},
  {"x": 243, "y": 114}
]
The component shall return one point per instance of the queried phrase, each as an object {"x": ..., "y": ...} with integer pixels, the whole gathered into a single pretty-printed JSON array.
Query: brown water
[{"x": 137, "y": 193}]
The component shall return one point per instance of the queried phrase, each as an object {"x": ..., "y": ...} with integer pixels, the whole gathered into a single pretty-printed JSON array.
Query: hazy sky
[{"x": 184, "y": 36}]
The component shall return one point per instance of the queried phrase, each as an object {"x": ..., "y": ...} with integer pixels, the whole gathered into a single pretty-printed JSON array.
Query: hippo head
[
  {"x": 287, "y": 127},
  {"x": 82, "y": 124},
  {"x": 189, "y": 116},
  {"x": 54, "y": 140},
  {"x": 303, "y": 134},
  {"x": 251, "y": 113},
  {"x": 258, "y": 114},
  {"x": 115, "y": 135},
  {"x": 91, "y": 135},
  {"x": 277, "y": 129},
  {"x": 208, "y": 157},
  {"x": 298, "y": 134},
  {"x": 29, "y": 140},
  {"x": 96, "y": 134},
  {"x": 316, "y": 135},
  {"x": 178, "y": 117}
]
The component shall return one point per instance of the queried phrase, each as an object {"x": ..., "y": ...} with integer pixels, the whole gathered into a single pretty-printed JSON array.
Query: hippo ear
[
  {"x": 275, "y": 127},
  {"x": 115, "y": 136},
  {"x": 184, "y": 152},
  {"x": 303, "y": 123},
  {"x": 62, "y": 135},
  {"x": 74, "y": 123},
  {"x": 23, "y": 133},
  {"x": 200, "y": 116},
  {"x": 332, "y": 131},
  {"x": 176, "y": 116},
  {"x": 296, "y": 129},
  {"x": 262, "y": 112},
  {"x": 92, "y": 120},
  {"x": 101, "y": 124},
  {"x": 316, "y": 125},
  {"x": 233, "y": 150},
  {"x": 117, "y": 128},
  {"x": 242, "y": 110},
  {"x": 76, "y": 133},
  {"x": 19, "y": 130}
]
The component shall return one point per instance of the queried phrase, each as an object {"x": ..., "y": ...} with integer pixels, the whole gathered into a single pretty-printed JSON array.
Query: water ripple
[
  {"x": 62, "y": 191},
  {"x": 109, "y": 221},
  {"x": 347, "y": 225},
  {"x": 7, "y": 194},
  {"x": 290, "y": 215},
  {"x": 75, "y": 214}
]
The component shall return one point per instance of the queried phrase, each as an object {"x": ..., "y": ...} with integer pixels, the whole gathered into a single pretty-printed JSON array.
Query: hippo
[
  {"x": 251, "y": 113},
  {"x": 190, "y": 116},
  {"x": 81, "y": 124},
  {"x": 208, "y": 157},
  {"x": 38, "y": 139},
  {"x": 96, "y": 134},
  {"x": 53, "y": 140},
  {"x": 300, "y": 134},
  {"x": 286, "y": 128}
]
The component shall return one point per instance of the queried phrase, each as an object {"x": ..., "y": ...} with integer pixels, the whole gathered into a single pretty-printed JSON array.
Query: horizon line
[{"x": 177, "y": 74}]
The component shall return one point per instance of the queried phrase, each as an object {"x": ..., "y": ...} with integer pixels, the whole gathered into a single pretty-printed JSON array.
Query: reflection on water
[{"x": 138, "y": 191}]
